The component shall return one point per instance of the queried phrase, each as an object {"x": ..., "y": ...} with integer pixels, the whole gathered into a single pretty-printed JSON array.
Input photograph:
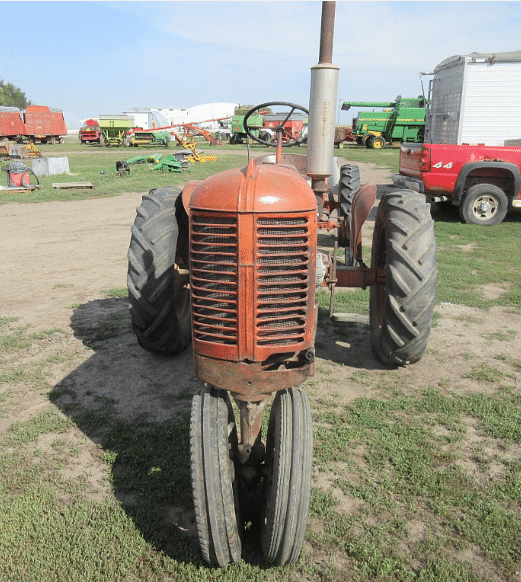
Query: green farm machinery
[
  {"x": 137, "y": 137},
  {"x": 114, "y": 129},
  {"x": 256, "y": 122},
  {"x": 400, "y": 120}
]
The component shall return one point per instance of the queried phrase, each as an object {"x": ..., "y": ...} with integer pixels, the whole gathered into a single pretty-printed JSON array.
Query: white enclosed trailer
[{"x": 475, "y": 99}]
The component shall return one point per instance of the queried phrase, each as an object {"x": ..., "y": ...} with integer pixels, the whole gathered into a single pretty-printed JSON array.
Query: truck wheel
[
  {"x": 157, "y": 277},
  {"x": 404, "y": 246},
  {"x": 484, "y": 204},
  {"x": 213, "y": 450},
  {"x": 369, "y": 142},
  {"x": 349, "y": 184},
  {"x": 378, "y": 143},
  {"x": 289, "y": 457}
]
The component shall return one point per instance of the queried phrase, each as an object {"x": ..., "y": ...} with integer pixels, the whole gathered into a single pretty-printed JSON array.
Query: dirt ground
[{"x": 59, "y": 257}]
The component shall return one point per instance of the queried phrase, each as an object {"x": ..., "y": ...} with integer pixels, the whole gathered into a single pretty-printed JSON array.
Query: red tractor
[{"x": 231, "y": 263}]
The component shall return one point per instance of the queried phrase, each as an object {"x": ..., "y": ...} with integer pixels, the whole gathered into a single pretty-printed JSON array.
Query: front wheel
[
  {"x": 378, "y": 143},
  {"x": 213, "y": 452},
  {"x": 287, "y": 489},
  {"x": 158, "y": 288},
  {"x": 484, "y": 204},
  {"x": 404, "y": 246}
]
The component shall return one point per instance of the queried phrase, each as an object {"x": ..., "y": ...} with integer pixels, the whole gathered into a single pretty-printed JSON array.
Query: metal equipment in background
[
  {"x": 400, "y": 120},
  {"x": 19, "y": 176},
  {"x": 114, "y": 129}
]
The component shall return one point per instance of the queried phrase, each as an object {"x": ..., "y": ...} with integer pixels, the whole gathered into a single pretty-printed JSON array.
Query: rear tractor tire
[
  {"x": 157, "y": 278},
  {"x": 349, "y": 183},
  {"x": 404, "y": 246}
]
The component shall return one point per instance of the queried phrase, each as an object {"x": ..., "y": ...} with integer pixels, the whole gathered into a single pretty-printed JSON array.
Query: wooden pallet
[{"x": 68, "y": 185}]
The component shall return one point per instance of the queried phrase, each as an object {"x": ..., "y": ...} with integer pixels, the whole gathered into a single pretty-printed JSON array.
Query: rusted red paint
[
  {"x": 362, "y": 204},
  {"x": 253, "y": 240}
]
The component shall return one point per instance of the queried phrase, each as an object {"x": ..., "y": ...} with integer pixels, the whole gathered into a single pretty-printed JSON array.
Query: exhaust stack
[{"x": 322, "y": 102}]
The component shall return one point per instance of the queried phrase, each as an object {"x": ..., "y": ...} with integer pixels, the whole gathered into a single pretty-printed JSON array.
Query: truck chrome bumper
[{"x": 401, "y": 181}]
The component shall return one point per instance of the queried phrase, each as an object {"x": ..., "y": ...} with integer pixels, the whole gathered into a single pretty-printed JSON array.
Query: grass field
[{"x": 396, "y": 501}]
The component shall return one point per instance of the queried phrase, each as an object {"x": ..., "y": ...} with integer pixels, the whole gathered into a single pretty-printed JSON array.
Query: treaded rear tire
[
  {"x": 347, "y": 187},
  {"x": 159, "y": 299},
  {"x": 404, "y": 245}
]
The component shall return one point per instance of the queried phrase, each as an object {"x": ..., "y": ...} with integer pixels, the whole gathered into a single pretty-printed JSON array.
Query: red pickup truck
[{"x": 483, "y": 181}]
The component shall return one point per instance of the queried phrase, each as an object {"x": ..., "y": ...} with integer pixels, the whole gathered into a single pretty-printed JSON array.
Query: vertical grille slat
[
  {"x": 214, "y": 271},
  {"x": 282, "y": 280}
]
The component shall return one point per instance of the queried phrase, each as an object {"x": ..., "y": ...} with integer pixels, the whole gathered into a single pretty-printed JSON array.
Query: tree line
[{"x": 11, "y": 96}]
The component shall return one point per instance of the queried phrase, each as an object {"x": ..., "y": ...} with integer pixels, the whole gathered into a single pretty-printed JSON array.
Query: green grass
[
  {"x": 416, "y": 509},
  {"x": 388, "y": 157},
  {"x": 95, "y": 164}
]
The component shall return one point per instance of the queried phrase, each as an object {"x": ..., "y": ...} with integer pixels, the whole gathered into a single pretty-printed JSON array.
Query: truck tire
[
  {"x": 347, "y": 187},
  {"x": 483, "y": 204},
  {"x": 157, "y": 289},
  {"x": 369, "y": 141},
  {"x": 405, "y": 246}
]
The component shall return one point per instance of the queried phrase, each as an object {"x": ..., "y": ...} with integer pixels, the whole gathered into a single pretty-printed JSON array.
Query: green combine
[{"x": 400, "y": 120}]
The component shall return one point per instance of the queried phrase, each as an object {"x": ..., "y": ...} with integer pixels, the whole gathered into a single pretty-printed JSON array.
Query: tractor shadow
[{"x": 135, "y": 407}]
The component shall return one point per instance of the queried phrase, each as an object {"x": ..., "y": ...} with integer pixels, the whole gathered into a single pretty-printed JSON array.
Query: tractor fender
[
  {"x": 472, "y": 166},
  {"x": 190, "y": 186},
  {"x": 361, "y": 206}
]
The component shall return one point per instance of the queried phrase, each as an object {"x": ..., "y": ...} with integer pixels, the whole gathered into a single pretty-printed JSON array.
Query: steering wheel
[{"x": 292, "y": 141}]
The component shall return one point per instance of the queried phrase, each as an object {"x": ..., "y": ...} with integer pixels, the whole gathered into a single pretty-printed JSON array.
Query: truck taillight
[{"x": 425, "y": 160}]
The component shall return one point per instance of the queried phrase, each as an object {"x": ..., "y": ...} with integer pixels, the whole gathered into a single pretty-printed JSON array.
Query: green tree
[{"x": 11, "y": 96}]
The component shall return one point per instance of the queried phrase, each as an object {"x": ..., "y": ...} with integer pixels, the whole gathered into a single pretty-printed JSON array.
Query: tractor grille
[
  {"x": 214, "y": 259},
  {"x": 282, "y": 280}
]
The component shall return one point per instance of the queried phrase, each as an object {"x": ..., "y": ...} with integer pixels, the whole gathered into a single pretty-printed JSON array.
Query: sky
[{"x": 93, "y": 58}]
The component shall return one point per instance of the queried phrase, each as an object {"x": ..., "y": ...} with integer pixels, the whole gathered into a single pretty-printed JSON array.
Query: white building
[
  {"x": 147, "y": 118},
  {"x": 197, "y": 114}
]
